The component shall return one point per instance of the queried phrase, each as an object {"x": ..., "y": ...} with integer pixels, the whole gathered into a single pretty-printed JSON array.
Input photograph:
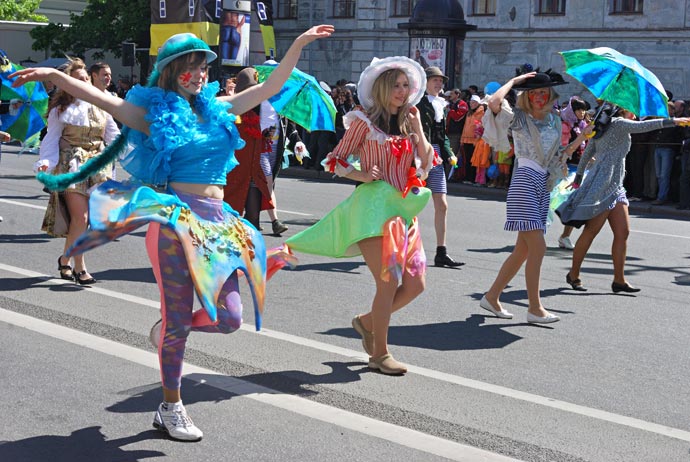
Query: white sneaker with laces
[
  {"x": 564, "y": 243},
  {"x": 155, "y": 334},
  {"x": 173, "y": 419}
]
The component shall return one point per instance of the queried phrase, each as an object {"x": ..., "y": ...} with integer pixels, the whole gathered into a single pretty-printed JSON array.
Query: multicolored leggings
[{"x": 177, "y": 293}]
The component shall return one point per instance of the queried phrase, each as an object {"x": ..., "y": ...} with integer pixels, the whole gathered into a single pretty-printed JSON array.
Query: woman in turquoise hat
[{"x": 183, "y": 141}]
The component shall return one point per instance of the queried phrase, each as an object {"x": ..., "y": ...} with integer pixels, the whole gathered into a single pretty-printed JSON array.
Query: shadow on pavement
[{"x": 83, "y": 445}]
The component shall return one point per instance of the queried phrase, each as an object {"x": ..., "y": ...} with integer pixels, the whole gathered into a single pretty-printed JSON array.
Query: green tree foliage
[
  {"x": 104, "y": 24},
  {"x": 21, "y": 11}
]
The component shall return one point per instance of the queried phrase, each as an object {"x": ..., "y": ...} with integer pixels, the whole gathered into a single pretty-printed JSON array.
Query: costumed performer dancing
[
  {"x": 183, "y": 138},
  {"x": 379, "y": 219},
  {"x": 540, "y": 165},
  {"x": 77, "y": 131},
  {"x": 601, "y": 197}
]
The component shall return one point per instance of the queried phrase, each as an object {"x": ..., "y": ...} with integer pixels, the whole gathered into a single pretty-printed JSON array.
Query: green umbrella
[
  {"x": 28, "y": 106},
  {"x": 618, "y": 79},
  {"x": 302, "y": 100}
]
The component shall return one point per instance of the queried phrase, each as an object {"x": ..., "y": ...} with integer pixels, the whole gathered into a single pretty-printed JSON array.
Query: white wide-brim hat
[{"x": 415, "y": 75}]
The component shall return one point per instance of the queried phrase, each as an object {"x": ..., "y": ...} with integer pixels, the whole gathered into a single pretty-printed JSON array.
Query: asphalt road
[{"x": 607, "y": 383}]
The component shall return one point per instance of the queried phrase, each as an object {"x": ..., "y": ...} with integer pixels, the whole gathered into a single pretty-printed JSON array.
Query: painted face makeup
[
  {"x": 191, "y": 80},
  {"x": 539, "y": 97},
  {"x": 185, "y": 79}
]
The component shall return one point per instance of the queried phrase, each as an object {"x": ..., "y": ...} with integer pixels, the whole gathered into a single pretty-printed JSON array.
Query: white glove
[
  {"x": 301, "y": 149},
  {"x": 39, "y": 164}
]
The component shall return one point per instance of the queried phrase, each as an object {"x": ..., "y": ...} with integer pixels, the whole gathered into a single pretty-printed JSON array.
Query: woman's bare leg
[
  {"x": 619, "y": 221},
  {"x": 78, "y": 206},
  {"x": 382, "y": 305},
  {"x": 536, "y": 248},
  {"x": 584, "y": 242},
  {"x": 508, "y": 270}
]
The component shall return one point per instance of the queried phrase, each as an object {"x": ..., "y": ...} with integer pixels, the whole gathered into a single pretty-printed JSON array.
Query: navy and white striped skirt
[
  {"x": 528, "y": 201},
  {"x": 436, "y": 181}
]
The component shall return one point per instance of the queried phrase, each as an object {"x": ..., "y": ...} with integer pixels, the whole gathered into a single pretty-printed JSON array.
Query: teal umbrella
[
  {"x": 618, "y": 79},
  {"x": 302, "y": 100},
  {"x": 28, "y": 105}
]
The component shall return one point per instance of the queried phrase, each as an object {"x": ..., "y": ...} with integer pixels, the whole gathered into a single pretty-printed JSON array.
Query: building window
[
  {"x": 344, "y": 8},
  {"x": 403, "y": 7},
  {"x": 483, "y": 7},
  {"x": 287, "y": 9},
  {"x": 550, "y": 6},
  {"x": 626, "y": 6}
]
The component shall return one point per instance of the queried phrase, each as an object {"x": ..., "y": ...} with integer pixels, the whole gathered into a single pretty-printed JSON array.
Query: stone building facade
[{"x": 511, "y": 33}]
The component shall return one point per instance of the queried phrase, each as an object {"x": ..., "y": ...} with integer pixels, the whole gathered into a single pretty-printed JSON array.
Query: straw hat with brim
[
  {"x": 415, "y": 76},
  {"x": 541, "y": 80},
  {"x": 433, "y": 71},
  {"x": 179, "y": 45},
  {"x": 245, "y": 78}
]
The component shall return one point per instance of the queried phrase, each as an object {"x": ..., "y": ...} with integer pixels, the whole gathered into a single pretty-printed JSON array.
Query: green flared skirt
[{"x": 360, "y": 216}]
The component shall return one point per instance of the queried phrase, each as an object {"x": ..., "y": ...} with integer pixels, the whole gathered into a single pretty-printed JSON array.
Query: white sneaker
[
  {"x": 564, "y": 243},
  {"x": 173, "y": 419},
  {"x": 155, "y": 334}
]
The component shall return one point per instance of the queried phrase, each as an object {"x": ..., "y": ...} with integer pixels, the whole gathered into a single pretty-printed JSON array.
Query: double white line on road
[
  {"x": 399, "y": 435},
  {"x": 436, "y": 375}
]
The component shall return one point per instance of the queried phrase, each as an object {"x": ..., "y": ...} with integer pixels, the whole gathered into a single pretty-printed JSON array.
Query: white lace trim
[{"x": 374, "y": 134}]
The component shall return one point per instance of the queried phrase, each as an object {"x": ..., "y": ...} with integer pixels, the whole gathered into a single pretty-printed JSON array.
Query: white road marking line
[
  {"x": 371, "y": 427},
  {"x": 22, "y": 204},
  {"x": 430, "y": 373},
  {"x": 659, "y": 234},
  {"x": 295, "y": 213},
  {"x": 41, "y": 207}
]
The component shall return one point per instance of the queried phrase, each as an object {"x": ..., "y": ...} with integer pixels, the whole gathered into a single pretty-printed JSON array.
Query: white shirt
[{"x": 75, "y": 114}]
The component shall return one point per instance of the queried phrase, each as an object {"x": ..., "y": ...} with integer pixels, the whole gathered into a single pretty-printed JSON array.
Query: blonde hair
[
  {"x": 62, "y": 99},
  {"x": 524, "y": 103},
  {"x": 381, "y": 91}
]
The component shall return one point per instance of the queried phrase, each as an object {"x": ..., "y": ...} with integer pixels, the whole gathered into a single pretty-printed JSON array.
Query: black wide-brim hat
[{"x": 541, "y": 80}]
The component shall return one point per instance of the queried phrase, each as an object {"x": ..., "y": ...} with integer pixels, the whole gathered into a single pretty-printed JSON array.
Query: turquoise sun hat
[
  {"x": 176, "y": 46},
  {"x": 181, "y": 44}
]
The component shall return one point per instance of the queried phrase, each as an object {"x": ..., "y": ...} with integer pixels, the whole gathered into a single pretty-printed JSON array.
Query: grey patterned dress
[{"x": 603, "y": 185}]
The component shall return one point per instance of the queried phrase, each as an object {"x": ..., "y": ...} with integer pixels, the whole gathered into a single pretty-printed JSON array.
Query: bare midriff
[{"x": 208, "y": 190}]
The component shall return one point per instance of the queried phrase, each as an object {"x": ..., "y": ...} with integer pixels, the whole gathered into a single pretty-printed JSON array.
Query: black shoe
[
  {"x": 445, "y": 260},
  {"x": 278, "y": 227},
  {"x": 65, "y": 270},
  {"x": 83, "y": 282},
  {"x": 576, "y": 284},
  {"x": 623, "y": 288}
]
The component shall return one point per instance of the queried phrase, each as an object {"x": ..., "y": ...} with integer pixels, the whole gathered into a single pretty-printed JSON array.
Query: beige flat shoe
[
  {"x": 367, "y": 337},
  {"x": 387, "y": 365}
]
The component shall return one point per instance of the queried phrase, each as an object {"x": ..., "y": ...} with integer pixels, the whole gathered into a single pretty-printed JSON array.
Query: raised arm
[
  {"x": 253, "y": 96},
  {"x": 127, "y": 113},
  {"x": 497, "y": 98}
]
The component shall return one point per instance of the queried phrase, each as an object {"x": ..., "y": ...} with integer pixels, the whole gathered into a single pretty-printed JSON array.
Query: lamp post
[{"x": 437, "y": 31}]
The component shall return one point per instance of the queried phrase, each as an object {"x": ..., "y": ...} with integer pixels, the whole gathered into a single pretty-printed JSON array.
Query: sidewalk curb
[{"x": 465, "y": 190}]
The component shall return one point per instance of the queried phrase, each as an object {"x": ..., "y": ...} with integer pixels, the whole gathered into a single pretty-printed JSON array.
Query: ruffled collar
[
  {"x": 173, "y": 124},
  {"x": 375, "y": 133},
  {"x": 211, "y": 109}
]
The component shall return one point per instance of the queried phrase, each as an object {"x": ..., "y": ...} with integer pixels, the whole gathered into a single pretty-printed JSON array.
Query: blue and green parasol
[
  {"x": 302, "y": 100},
  {"x": 618, "y": 79},
  {"x": 28, "y": 104}
]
